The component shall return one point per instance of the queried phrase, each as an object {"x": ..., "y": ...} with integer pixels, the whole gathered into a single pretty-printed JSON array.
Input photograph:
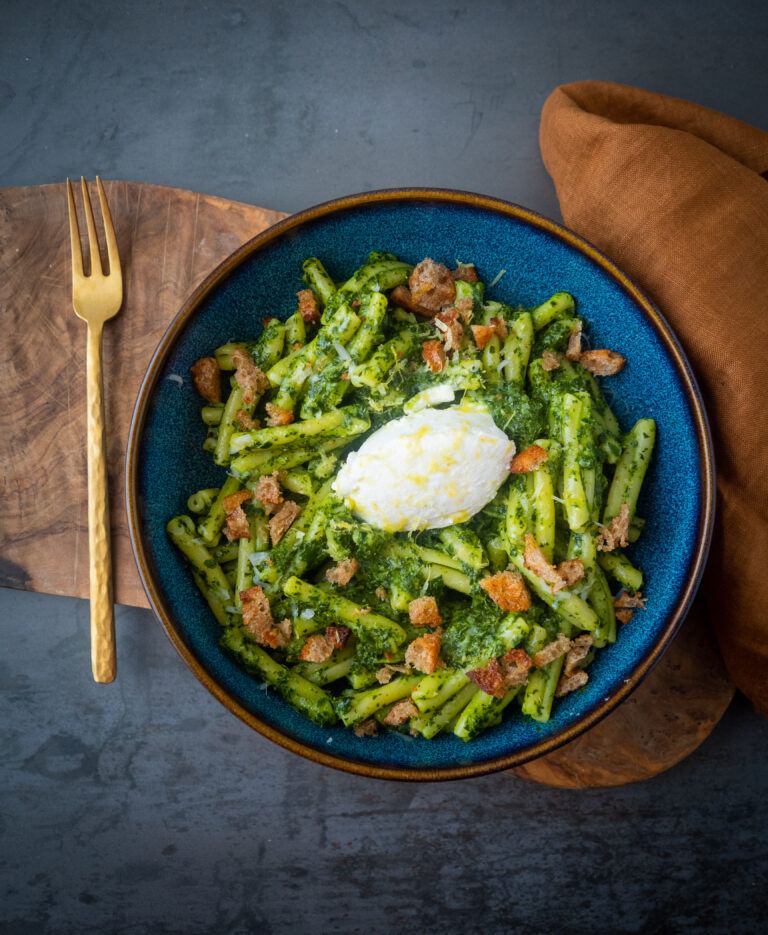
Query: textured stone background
[{"x": 144, "y": 806}]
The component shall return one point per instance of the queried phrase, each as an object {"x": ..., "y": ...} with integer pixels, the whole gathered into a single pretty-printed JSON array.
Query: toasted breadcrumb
[
  {"x": 338, "y": 635},
  {"x": 528, "y": 459},
  {"x": 280, "y": 635},
  {"x": 572, "y": 570},
  {"x": 432, "y": 285},
  {"x": 500, "y": 326},
  {"x": 489, "y": 679},
  {"x": 536, "y": 561},
  {"x": 386, "y": 672},
  {"x": 451, "y": 330},
  {"x": 552, "y": 651},
  {"x": 248, "y": 377},
  {"x": 624, "y": 614},
  {"x": 573, "y": 351},
  {"x": 507, "y": 589},
  {"x": 569, "y": 683},
  {"x": 434, "y": 356},
  {"x": 400, "y": 712},
  {"x": 245, "y": 421},
  {"x": 381, "y": 594},
  {"x": 423, "y": 652},
  {"x": 465, "y": 307},
  {"x": 278, "y": 416},
  {"x": 342, "y": 573},
  {"x": 308, "y": 305},
  {"x": 401, "y": 295},
  {"x": 257, "y": 615},
  {"x": 360, "y": 611},
  {"x": 614, "y": 536},
  {"x": 207, "y": 378},
  {"x": 577, "y": 653},
  {"x": 465, "y": 272},
  {"x": 483, "y": 334},
  {"x": 550, "y": 360},
  {"x": 601, "y": 362},
  {"x": 236, "y": 525},
  {"x": 367, "y": 728},
  {"x": 424, "y": 612},
  {"x": 316, "y": 648},
  {"x": 268, "y": 489},
  {"x": 282, "y": 520},
  {"x": 630, "y": 600}
]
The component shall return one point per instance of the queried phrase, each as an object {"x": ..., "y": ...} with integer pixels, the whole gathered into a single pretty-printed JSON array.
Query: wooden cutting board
[{"x": 169, "y": 240}]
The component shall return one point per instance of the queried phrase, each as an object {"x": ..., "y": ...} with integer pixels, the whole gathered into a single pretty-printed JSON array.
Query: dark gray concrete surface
[{"x": 144, "y": 806}]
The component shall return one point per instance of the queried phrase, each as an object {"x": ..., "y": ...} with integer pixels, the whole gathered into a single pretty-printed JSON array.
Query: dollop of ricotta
[{"x": 429, "y": 469}]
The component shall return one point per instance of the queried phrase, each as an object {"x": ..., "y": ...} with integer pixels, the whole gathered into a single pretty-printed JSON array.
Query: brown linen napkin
[{"x": 673, "y": 193}]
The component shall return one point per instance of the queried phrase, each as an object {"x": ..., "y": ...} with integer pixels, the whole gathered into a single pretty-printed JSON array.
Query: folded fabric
[{"x": 674, "y": 193}]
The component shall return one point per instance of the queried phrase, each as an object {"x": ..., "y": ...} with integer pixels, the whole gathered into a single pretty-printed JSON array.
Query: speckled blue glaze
[{"x": 537, "y": 263}]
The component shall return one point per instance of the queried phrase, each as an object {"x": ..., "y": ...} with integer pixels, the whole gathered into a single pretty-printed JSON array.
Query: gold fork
[{"x": 96, "y": 298}]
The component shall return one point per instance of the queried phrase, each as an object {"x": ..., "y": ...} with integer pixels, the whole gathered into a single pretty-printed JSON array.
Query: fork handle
[{"x": 102, "y": 611}]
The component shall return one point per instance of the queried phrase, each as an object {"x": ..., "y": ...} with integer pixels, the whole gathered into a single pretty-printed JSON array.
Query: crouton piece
[
  {"x": 465, "y": 307},
  {"x": 434, "y": 356},
  {"x": 573, "y": 351},
  {"x": 432, "y": 285},
  {"x": 572, "y": 569},
  {"x": 280, "y": 635},
  {"x": 400, "y": 712},
  {"x": 342, "y": 573},
  {"x": 245, "y": 421},
  {"x": 367, "y": 728},
  {"x": 514, "y": 668},
  {"x": 625, "y": 599},
  {"x": 268, "y": 489},
  {"x": 550, "y": 360},
  {"x": 424, "y": 612},
  {"x": 316, "y": 648},
  {"x": 450, "y": 328},
  {"x": 278, "y": 416},
  {"x": 423, "y": 653},
  {"x": 528, "y": 459},
  {"x": 401, "y": 295},
  {"x": 614, "y": 536},
  {"x": 282, "y": 520},
  {"x": 308, "y": 305},
  {"x": 569, "y": 683},
  {"x": 233, "y": 500},
  {"x": 207, "y": 378},
  {"x": 536, "y": 561},
  {"x": 624, "y": 614},
  {"x": 252, "y": 381},
  {"x": 507, "y": 589},
  {"x": 500, "y": 326},
  {"x": 257, "y": 615},
  {"x": 601, "y": 362},
  {"x": 552, "y": 651},
  {"x": 489, "y": 679},
  {"x": 384, "y": 675},
  {"x": 577, "y": 653},
  {"x": 236, "y": 525},
  {"x": 466, "y": 272},
  {"x": 338, "y": 635},
  {"x": 483, "y": 334}
]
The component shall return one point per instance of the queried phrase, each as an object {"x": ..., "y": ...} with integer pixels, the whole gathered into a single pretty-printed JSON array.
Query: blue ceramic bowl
[{"x": 166, "y": 462}]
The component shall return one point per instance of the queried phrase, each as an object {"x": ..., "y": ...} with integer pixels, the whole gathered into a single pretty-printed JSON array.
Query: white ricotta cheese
[{"x": 427, "y": 470}]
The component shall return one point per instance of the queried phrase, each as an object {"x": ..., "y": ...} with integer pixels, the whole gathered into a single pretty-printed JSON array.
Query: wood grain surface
[{"x": 169, "y": 240}]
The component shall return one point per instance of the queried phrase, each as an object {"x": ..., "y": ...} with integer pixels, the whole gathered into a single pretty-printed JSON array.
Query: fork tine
[
  {"x": 109, "y": 231},
  {"x": 93, "y": 243},
  {"x": 74, "y": 234}
]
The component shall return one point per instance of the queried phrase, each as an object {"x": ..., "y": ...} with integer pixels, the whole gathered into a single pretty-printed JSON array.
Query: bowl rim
[{"x": 705, "y": 464}]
